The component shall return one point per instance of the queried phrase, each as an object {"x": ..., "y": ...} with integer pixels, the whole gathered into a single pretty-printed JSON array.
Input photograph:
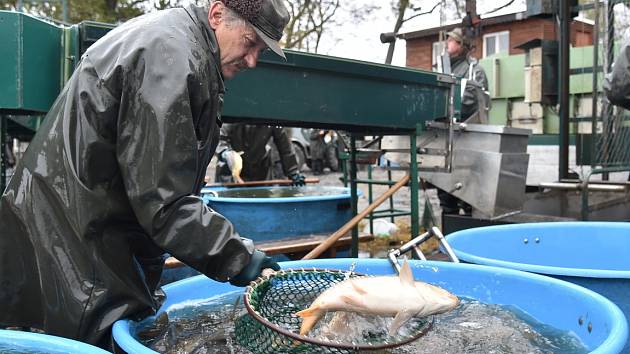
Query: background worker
[
  {"x": 475, "y": 98},
  {"x": 323, "y": 150},
  {"x": 244, "y": 155},
  {"x": 617, "y": 83},
  {"x": 110, "y": 182}
]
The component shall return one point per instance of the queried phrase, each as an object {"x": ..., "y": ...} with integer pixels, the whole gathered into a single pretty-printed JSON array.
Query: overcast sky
[{"x": 361, "y": 40}]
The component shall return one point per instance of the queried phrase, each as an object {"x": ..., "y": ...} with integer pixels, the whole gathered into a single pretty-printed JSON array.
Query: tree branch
[{"x": 422, "y": 13}]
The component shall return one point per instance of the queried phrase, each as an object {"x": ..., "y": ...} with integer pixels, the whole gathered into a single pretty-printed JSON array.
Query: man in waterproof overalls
[{"x": 111, "y": 180}]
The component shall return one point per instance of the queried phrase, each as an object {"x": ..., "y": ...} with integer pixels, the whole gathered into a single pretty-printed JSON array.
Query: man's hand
[
  {"x": 252, "y": 271},
  {"x": 297, "y": 179},
  {"x": 235, "y": 164}
]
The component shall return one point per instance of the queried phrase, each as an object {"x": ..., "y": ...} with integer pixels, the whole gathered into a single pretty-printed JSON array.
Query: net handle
[{"x": 267, "y": 272}]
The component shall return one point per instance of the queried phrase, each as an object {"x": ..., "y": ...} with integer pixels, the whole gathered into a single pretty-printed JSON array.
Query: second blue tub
[
  {"x": 595, "y": 255},
  {"x": 280, "y": 212}
]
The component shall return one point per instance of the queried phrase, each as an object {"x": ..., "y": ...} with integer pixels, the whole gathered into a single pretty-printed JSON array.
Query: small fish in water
[{"x": 401, "y": 296}]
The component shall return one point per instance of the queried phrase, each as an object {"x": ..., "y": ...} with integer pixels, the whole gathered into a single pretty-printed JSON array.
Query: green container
[
  {"x": 314, "y": 89},
  {"x": 31, "y": 64}
]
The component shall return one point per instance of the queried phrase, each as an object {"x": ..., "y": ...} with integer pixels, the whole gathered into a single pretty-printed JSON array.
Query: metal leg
[
  {"x": 389, "y": 179},
  {"x": 3, "y": 157},
  {"x": 370, "y": 196},
  {"x": 413, "y": 174},
  {"x": 354, "y": 194}
]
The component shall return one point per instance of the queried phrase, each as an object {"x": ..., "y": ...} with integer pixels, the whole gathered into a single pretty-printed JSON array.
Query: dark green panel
[
  {"x": 90, "y": 32},
  {"x": 30, "y": 71},
  {"x": 9, "y": 27},
  {"x": 548, "y": 139},
  {"x": 23, "y": 127},
  {"x": 317, "y": 90}
]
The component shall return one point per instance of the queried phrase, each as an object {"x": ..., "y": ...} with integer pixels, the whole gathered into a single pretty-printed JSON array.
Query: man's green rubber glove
[{"x": 252, "y": 271}]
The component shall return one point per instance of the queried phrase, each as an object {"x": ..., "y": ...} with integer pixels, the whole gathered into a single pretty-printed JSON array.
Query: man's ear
[{"x": 215, "y": 14}]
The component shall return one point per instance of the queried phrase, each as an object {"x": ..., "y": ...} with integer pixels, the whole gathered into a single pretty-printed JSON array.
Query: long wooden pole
[{"x": 317, "y": 251}]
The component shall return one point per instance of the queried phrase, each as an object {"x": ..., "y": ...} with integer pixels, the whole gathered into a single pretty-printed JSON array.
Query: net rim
[{"x": 355, "y": 347}]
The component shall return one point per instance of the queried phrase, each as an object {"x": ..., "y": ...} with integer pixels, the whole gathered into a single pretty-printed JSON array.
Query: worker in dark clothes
[
  {"x": 110, "y": 182},
  {"x": 244, "y": 154},
  {"x": 475, "y": 100},
  {"x": 323, "y": 150},
  {"x": 617, "y": 83}
]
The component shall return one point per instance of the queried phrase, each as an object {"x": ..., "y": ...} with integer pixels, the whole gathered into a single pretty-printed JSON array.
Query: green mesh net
[{"x": 271, "y": 325}]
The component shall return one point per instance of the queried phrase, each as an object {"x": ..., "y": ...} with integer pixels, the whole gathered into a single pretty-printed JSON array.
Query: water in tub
[
  {"x": 208, "y": 327},
  {"x": 277, "y": 192}
]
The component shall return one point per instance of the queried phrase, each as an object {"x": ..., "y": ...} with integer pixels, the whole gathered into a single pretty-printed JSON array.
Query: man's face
[
  {"x": 453, "y": 47},
  {"x": 238, "y": 43}
]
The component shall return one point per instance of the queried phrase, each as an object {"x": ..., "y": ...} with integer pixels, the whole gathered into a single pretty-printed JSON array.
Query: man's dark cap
[
  {"x": 268, "y": 17},
  {"x": 458, "y": 35}
]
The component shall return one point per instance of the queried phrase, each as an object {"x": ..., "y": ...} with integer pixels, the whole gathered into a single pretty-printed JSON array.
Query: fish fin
[
  {"x": 357, "y": 288},
  {"x": 352, "y": 300},
  {"x": 401, "y": 318},
  {"x": 406, "y": 276},
  {"x": 308, "y": 312},
  {"x": 310, "y": 316}
]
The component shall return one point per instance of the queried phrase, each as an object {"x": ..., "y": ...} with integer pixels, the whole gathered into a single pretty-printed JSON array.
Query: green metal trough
[{"x": 316, "y": 90}]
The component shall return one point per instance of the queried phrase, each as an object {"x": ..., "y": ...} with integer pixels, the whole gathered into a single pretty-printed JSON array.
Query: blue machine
[
  {"x": 554, "y": 302},
  {"x": 592, "y": 254}
]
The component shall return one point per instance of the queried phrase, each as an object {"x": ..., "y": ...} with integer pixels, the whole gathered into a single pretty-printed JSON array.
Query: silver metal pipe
[
  {"x": 451, "y": 122},
  {"x": 414, "y": 242},
  {"x": 580, "y": 186},
  {"x": 414, "y": 246},
  {"x": 449, "y": 251},
  {"x": 392, "y": 256},
  {"x": 418, "y": 252}
]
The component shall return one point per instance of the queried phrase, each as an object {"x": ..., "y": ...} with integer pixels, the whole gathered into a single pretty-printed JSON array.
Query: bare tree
[
  {"x": 166, "y": 4},
  {"x": 400, "y": 7},
  {"x": 308, "y": 22},
  {"x": 97, "y": 10}
]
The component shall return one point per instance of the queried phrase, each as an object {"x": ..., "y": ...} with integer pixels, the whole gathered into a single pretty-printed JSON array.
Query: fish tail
[{"x": 310, "y": 316}]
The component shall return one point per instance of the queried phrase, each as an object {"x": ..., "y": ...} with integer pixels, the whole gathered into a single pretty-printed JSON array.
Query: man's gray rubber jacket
[
  {"x": 468, "y": 68},
  {"x": 111, "y": 181}
]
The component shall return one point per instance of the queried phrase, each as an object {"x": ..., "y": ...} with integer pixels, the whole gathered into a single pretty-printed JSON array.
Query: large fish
[{"x": 401, "y": 296}]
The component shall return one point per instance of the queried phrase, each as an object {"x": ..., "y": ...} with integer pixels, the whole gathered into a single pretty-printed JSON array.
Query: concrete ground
[{"x": 543, "y": 167}]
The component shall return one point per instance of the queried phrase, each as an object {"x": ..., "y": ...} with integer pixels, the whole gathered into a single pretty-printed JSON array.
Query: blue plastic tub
[
  {"x": 551, "y": 301},
  {"x": 25, "y": 342},
  {"x": 595, "y": 255},
  {"x": 264, "y": 219}
]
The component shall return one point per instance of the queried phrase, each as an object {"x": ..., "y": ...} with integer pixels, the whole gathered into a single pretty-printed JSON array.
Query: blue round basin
[
  {"x": 595, "y": 255},
  {"x": 551, "y": 301},
  {"x": 26, "y": 342},
  {"x": 271, "y": 213}
]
